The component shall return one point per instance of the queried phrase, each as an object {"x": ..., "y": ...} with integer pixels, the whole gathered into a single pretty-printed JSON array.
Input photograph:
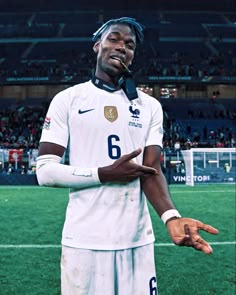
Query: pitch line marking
[
  {"x": 197, "y": 192},
  {"x": 59, "y": 246}
]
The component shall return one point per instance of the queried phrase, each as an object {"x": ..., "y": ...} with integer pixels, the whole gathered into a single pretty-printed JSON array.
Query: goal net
[{"x": 209, "y": 165}]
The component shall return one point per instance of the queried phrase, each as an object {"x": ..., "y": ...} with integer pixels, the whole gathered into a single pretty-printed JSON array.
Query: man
[{"x": 114, "y": 136}]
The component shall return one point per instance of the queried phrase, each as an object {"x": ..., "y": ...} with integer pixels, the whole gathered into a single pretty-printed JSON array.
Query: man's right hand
[{"x": 124, "y": 169}]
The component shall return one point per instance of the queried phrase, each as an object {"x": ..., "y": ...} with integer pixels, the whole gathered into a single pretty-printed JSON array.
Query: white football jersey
[{"x": 98, "y": 127}]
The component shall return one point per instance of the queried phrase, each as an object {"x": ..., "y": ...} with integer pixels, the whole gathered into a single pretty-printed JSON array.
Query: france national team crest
[
  {"x": 134, "y": 111},
  {"x": 135, "y": 115},
  {"x": 110, "y": 113}
]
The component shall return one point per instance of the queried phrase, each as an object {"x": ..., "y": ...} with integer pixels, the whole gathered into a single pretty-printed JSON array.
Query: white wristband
[{"x": 170, "y": 214}]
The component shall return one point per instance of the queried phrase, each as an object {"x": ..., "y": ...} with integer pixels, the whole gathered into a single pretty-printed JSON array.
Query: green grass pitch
[{"x": 30, "y": 234}]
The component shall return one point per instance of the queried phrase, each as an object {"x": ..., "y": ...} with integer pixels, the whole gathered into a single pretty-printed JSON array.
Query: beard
[{"x": 108, "y": 71}]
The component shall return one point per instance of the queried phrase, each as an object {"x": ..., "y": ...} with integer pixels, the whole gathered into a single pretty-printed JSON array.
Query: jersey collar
[
  {"x": 126, "y": 83},
  {"x": 104, "y": 85}
]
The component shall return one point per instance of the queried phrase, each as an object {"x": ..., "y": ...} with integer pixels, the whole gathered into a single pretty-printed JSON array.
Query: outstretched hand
[{"x": 185, "y": 232}]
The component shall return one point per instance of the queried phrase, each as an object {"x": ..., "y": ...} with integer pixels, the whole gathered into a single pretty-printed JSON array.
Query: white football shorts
[{"x": 119, "y": 272}]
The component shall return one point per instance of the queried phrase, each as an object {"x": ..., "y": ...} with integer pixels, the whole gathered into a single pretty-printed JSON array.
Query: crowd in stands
[
  {"x": 75, "y": 60},
  {"x": 21, "y": 128},
  {"x": 78, "y": 65},
  {"x": 181, "y": 64},
  {"x": 175, "y": 138}
]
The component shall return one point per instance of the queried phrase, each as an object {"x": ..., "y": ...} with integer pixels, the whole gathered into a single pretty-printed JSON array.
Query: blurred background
[{"x": 187, "y": 62}]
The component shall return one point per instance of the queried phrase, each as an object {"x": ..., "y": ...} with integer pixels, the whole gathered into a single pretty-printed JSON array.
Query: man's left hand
[{"x": 185, "y": 232}]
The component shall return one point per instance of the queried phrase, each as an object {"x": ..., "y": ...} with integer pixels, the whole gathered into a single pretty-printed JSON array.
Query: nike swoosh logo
[{"x": 84, "y": 111}]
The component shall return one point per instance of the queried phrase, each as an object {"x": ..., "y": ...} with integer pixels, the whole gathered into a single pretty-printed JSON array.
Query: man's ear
[{"x": 96, "y": 46}]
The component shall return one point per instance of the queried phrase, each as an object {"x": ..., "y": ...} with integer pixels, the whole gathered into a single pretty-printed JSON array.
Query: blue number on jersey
[
  {"x": 114, "y": 150},
  {"x": 153, "y": 286}
]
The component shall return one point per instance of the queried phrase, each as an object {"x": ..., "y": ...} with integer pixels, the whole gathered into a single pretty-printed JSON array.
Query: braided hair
[{"x": 136, "y": 27}]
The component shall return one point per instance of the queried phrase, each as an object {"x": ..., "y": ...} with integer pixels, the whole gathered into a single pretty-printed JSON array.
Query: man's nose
[{"x": 121, "y": 47}]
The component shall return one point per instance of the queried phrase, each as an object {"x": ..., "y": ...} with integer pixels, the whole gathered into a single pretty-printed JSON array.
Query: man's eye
[
  {"x": 113, "y": 39},
  {"x": 131, "y": 47}
]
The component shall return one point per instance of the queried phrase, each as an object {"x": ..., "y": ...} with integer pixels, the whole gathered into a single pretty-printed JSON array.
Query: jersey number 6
[{"x": 114, "y": 150}]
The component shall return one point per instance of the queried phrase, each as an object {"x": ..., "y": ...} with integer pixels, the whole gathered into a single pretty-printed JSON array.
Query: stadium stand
[
  {"x": 188, "y": 47},
  {"x": 203, "y": 41}
]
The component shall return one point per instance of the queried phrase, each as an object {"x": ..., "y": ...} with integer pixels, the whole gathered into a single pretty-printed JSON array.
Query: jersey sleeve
[
  {"x": 155, "y": 133},
  {"x": 55, "y": 127}
]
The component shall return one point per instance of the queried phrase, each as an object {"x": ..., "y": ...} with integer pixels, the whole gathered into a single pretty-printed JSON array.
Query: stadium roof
[{"x": 42, "y": 5}]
